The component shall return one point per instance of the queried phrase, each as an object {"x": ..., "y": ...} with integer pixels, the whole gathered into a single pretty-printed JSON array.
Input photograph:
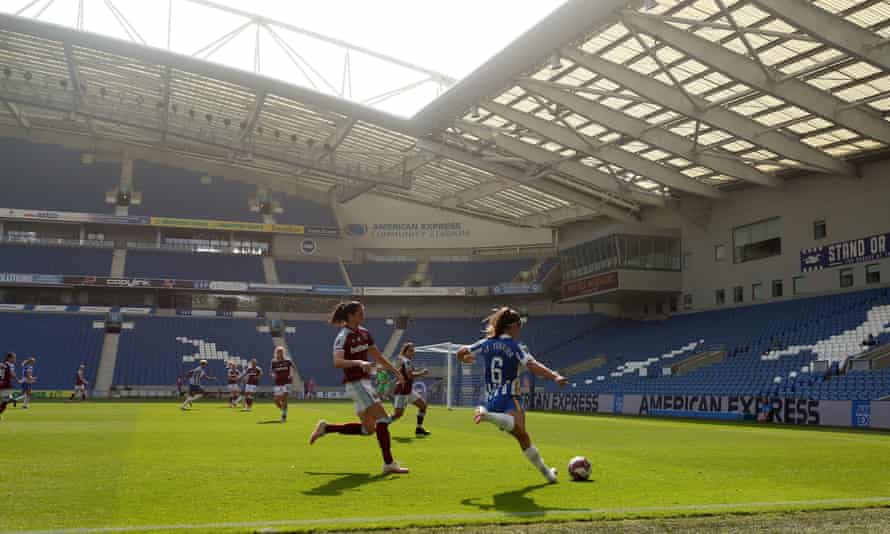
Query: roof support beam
[
  {"x": 17, "y": 113},
  {"x": 165, "y": 99},
  {"x": 559, "y": 216},
  {"x": 544, "y": 157},
  {"x": 718, "y": 117},
  {"x": 346, "y": 192},
  {"x": 252, "y": 117},
  {"x": 74, "y": 74},
  {"x": 645, "y": 132},
  {"x": 333, "y": 141},
  {"x": 508, "y": 177},
  {"x": 748, "y": 71},
  {"x": 609, "y": 153},
  {"x": 831, "y": 29}
]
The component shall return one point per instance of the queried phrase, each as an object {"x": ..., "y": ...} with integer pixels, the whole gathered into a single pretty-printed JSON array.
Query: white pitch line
[{"x": 581, "y": 513}]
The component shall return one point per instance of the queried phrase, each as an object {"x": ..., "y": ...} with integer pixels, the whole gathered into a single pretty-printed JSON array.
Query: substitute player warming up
[
  {"x": 404, "y": 392},
  {"x": 351, "y": 349},
  {"x": 282, "y": 370},
  {"x": 503, "y": 358}
]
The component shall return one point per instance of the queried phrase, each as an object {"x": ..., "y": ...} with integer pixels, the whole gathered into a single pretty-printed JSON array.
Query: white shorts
[
  {"x": 282, "y": 390},
  {"x": 362, "y": 394},
  {"x": 5, "y": 394},
  {"x": 402, "y": 401},
  {"x": 234, "y": 388},
  {"x": 249, "y": 388},
  {"x": 80, "y": 387}
]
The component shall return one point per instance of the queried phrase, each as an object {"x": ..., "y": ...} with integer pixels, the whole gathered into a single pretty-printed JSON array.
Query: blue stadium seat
[
  {"x": 22, "y": 258},
  {"x": 188, "y": 266},
  {"x": 380, "y": 274},
  {"x": 297, "y": 272},
  {"x": 477, "y": 273}
]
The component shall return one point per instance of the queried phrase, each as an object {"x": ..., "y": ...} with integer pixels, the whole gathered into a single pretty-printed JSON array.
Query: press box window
[
  {"x": 719, "y": 253},
  {"x": 820, "y": 231},
  {"x": 778, "y": 288},
  {"x": 797, "y": 285},
  {"x": 687, "y": 301},
  {"x": 720, "y": 297},
  {"x": 847, "y": 277},
  {"x": 757, "y": 241},
  {"x": 757, "y": 292},
  {"x": 873, "y": 273},
  {"x": 738, "y": 294}
]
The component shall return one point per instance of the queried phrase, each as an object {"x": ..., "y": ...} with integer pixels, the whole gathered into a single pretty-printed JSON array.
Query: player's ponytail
[
  {"x": 500, "y": 320},
  {"x": 342, "y": 312},
  {"x": 405, "y": 348}
]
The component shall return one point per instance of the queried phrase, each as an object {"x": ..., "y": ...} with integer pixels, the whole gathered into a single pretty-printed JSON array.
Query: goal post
[{"x": 462, "y": 383}]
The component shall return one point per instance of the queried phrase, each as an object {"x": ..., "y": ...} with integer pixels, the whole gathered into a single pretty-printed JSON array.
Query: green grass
[{"x": 107, "y": 464}]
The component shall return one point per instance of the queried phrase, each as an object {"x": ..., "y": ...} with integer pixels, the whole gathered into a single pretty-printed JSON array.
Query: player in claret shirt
[
  {"x": 404, "y": 392},
  {"x": 233, "y": 377},
  {"x": 282, "y": 370},
  {"x": 351, "y": 349},
  {"x": 7, "y": 380},
  {"x": 80, "y": 383},
  {"x": 251, "y": 377}
]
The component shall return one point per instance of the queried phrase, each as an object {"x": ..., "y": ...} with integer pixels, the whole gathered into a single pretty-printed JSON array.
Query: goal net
[{"x": 450, "y": 382}]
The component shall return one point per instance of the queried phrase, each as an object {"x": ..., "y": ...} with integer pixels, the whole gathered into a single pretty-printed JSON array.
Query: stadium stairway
[
  {"x": 118, "y": 262},
  {"x": 270, "y": 270},
  {"x": 107, "y": 362},
  {"x": 392, "y": 345}
]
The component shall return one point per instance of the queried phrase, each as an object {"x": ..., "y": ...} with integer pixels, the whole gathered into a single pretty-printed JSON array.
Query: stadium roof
[{"x": 603, "y": 108}]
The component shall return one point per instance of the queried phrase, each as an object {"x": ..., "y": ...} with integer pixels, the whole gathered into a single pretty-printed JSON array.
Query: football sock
[
  {"x": 384, "y": 440},
  {"x": 420, "y": 416},
  {"x": 3, "y": 406},
  {"x": 351, "y": 429},
  {"x": 535, "y": 458},
  {"x": 501, "y": 420}
]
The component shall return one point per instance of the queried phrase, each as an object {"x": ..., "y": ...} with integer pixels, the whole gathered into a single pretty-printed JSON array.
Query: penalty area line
[{"x": 581, "y": 513}]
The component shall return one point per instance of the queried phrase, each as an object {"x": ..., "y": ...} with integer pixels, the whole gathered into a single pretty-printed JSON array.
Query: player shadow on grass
[
  {"x": 515, "y": 502},
  {"x": 344, "y": 482}
]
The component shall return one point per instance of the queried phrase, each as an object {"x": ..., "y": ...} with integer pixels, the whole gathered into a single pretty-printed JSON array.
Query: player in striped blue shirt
[
  {"x": 504, "y": 358},
  {"x": 196, "y": 375},
  {"x": 27, "y": 381}
]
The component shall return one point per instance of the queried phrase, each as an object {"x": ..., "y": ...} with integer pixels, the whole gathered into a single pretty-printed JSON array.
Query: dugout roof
[{"x": 602, "y": 109}]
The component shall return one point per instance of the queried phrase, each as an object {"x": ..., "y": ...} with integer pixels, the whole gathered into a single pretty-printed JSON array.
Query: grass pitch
[{"x": 153, "y": 467}]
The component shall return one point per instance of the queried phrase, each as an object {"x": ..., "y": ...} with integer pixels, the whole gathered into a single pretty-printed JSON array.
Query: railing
[
  {"x": 199, "y": 249},
  {"x": 58, "y": 242}
]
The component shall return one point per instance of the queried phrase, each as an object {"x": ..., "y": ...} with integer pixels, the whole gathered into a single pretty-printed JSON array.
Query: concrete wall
[{"x": 852, "y": 209}]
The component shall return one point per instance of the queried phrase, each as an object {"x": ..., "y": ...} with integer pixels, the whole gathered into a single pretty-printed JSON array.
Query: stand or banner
[{"x": 845, "y": 253}]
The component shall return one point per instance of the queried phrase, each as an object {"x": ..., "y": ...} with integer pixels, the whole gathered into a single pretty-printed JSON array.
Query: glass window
[
  {"x": 873, "y": 273},
  {"x": 820, "y": 230},
  {"x": 757, "y": 292},
  {"x": 687, "y": 259},
  {"x": 719, "y": 252},
  {"x": 757, "y": 241},
  {"x": 720, "y": 297},
  {"x": 797, "y": 284},
  {"x": 673, "y": 304},
  {"x": 738, "y": 294},
  {"x": 687, "y": 300},
  {"x": 846, "y": 277},
  {"x": 659, "y": 307},
  {"x": 778, "y": 288}
]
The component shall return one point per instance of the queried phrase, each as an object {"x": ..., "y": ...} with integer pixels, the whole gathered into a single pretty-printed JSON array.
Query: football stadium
[{"x": 417, "y": 266}]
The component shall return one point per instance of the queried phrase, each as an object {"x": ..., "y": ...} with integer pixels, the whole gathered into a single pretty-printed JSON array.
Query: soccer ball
[{"x": 579, "y": 468}]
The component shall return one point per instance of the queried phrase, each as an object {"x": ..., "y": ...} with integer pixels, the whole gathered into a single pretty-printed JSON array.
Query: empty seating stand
[
  {"x": 60, "y": 342},
  {"x": 320, "y": 273},
  {"x": 162, "y": 264},
  {"x": 49, "y": 177},
  {"x": 172, "y": 192},
  {"x": 477, "y": 273},
  {"x": 302, "y": 211},
  {"x": 380, "y": 274},
  {"x": 153, "y": 353},
  {"x": 41, "y": 259}
]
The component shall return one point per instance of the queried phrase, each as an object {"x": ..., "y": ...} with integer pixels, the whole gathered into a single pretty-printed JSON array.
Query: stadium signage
[
  {"x": 776, "y": 409},
  {"x": 591, "y": 285},
  {"x": 171, "y": 222},
  {"x": 104, "y": 281},
  {"x": 845, "y": 253},
  {"x": 308, "y": 247},
  {"x": 21, "y": 278},
  {"x": 567, "y": 402},
  {"x": 414, "y": 291},
  {"x": 517, "y": 289},
  {"x": 411, "y": 231}
]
